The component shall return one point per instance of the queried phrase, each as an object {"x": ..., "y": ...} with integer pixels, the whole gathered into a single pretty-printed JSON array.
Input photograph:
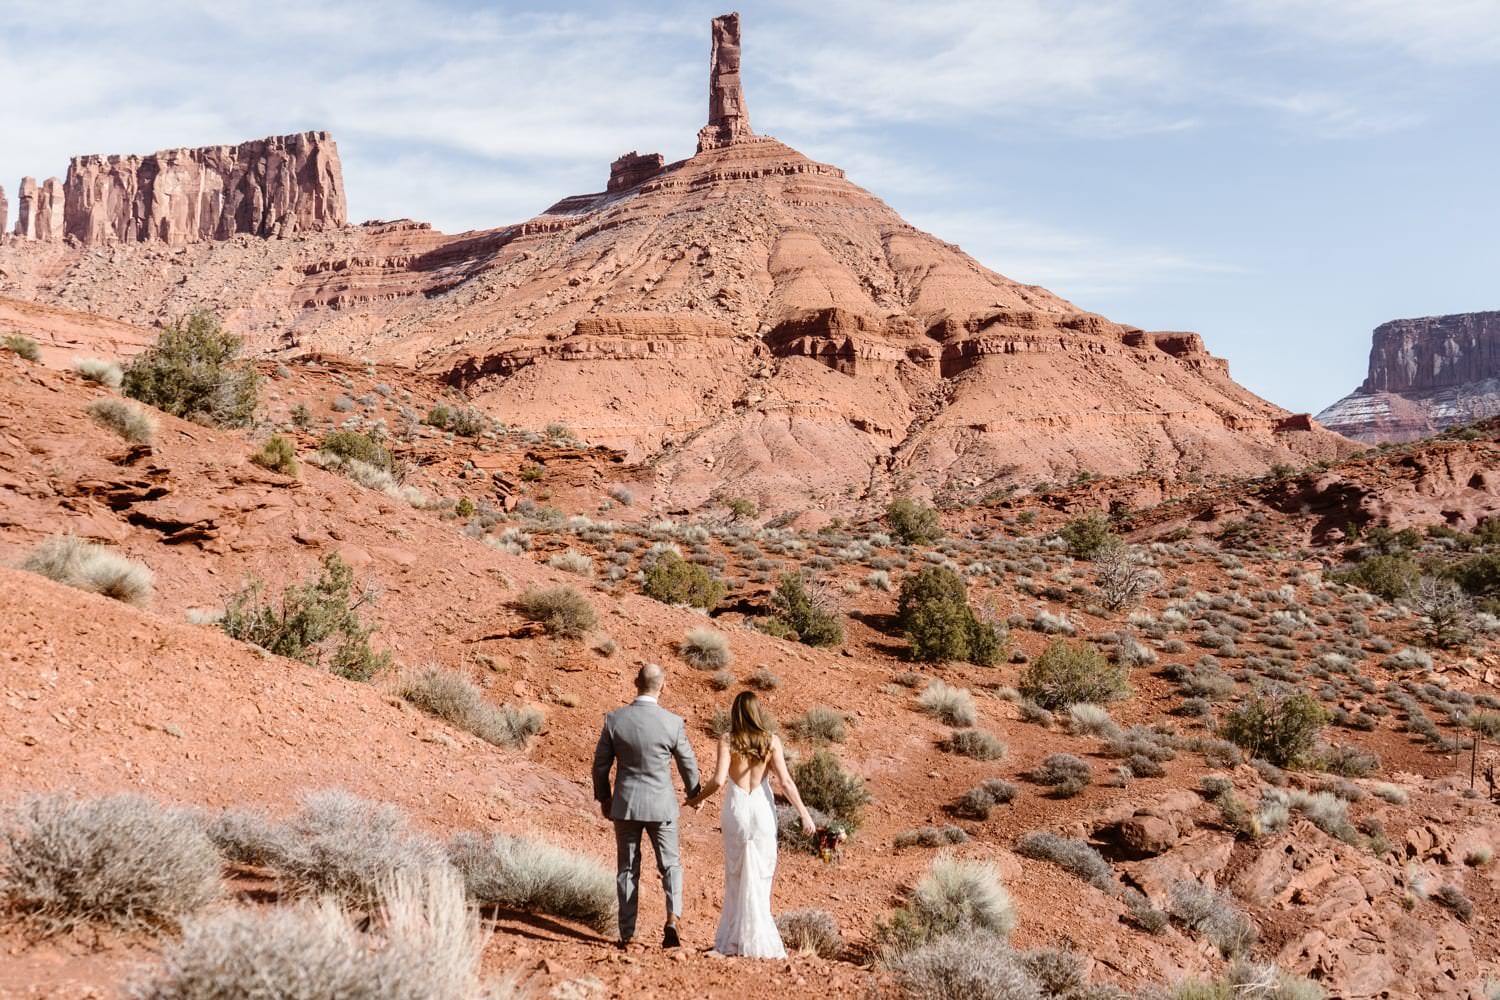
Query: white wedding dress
[{"x": 746, "y": 926}]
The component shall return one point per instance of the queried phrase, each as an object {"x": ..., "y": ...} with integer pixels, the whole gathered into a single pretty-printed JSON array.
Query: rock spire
[{"x": 728, "y": 115}]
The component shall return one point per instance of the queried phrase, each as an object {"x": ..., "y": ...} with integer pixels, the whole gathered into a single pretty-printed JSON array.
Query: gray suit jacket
[{"x": 643, "y": 739}]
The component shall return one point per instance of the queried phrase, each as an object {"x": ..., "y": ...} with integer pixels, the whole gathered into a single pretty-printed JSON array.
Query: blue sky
[{"x": 1279, "y": 175}]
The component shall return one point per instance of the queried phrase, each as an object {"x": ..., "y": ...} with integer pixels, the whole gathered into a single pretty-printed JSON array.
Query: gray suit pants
[{"x": 663, "y": 837}]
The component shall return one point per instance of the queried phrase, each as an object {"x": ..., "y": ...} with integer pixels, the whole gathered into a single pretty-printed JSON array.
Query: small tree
[
  {"x": 1123, "y": 576},
  {"x": 1391, "y": 577},
  {"x": 1480, "y": 577},
  {"x": 671, "y": 579},
  {"x": 1086, "y": 536},
  {"x": 741, "y": 508},
  {"x": 934, "y": 612},
  {"x": 828, "y": 788},
  {"x": 313, "y": 620},
  {"x": 913, "y": 523},
  {"x": 1446, "y": 609},
  {"x": 1279, "y": 727},
  {"x": 193, "y": 370},
  {"x": 807, "y": 611}
]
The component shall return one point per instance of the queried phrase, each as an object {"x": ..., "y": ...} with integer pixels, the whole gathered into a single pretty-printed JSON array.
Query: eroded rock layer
[{"x": 1425, "y": 375}]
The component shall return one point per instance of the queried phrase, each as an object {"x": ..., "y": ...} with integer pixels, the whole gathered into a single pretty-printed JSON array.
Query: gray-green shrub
[
  {"x": 953, "y": 706},
  {"x": 1067, "y": 673},
  {"x": 95, "y": 568},
  {"x": 133, "y": 423},
  {"x": 518, "y": 873},
  {"x": 123, "y": 860},
  {"x": 316, "y": 622},
  {"x": 451, "y": 696},
  {"x": 561, "y": 610},
  {"x": 812, "y": 931},
  {"x": 1071, "y": 855},
  {"x": 706, "y": 649}
]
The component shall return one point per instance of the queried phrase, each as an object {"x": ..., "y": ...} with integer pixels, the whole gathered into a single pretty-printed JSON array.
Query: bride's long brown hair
[{"x": 749, "y": 735}]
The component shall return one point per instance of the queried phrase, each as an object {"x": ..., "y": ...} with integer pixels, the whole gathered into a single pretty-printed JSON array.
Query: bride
[{"x": 746, "y": 754}]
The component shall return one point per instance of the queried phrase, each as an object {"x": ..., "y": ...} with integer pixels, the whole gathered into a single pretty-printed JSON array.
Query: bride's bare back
[{"x": 748, "y": 773}]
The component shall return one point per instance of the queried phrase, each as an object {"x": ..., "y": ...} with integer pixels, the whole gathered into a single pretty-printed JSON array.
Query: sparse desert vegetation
[
  {"x": 562, "y": 611},
  {"x": 451, "y": 696}
]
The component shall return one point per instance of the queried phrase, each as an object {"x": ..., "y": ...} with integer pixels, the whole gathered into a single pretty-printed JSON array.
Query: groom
[{"x": 644, "y": 738}]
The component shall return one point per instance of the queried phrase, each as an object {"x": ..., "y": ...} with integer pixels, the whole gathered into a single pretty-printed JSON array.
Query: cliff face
[
  {"x": 277, "y": 186},
  {"x": 1425, "y": 375}
]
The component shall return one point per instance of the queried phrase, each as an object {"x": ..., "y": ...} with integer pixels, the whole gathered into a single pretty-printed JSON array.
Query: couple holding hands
[{"x": 640, "y": 742}]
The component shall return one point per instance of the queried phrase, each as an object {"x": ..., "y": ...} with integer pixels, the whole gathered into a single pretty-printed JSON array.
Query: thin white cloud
[
  {"x": 1336, "y": 116},
  {"x": 1442, "y": 32},
  {"x": 1077, "y": 264},
  {"x": 898, "y": 62}
]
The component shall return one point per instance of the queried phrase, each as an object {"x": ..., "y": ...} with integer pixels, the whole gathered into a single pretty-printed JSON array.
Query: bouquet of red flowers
[{"x": 829, "y": 841}]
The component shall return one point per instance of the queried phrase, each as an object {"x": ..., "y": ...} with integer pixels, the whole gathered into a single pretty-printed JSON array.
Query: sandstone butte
[
  {"x": 1426, "y": 375},
  {"x": 744, "y": 315}
]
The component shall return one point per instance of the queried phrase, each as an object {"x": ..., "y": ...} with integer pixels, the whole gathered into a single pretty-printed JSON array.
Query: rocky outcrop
[
  {"x": 277, "y": 186},
  {"x": 4, "y": 211},
  {"x": 40, "y": 209},
  {"x": 50, "y": 210},
  {"x": 26, "y": 209},
  {"x": 728, "y": 115},
  {"x": 851, "y": 342},
  {"x": 632, "y": 170},
  {"x": 1425, "y": 375}
]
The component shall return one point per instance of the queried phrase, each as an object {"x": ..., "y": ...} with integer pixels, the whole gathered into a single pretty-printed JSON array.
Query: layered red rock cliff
[
  {"x": 1425, "y": 375},
  {"x": 278, "y": 186}
]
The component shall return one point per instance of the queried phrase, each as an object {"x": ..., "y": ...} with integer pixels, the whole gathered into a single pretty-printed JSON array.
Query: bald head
[{"x": 649, "y": 679}]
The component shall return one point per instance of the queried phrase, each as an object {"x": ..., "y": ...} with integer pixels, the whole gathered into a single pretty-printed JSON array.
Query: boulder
[{"x": 1147, "y": 835}]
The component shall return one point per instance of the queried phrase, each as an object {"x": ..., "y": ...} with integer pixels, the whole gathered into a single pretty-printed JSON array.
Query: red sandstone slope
[{"x": 744, "y": 316}]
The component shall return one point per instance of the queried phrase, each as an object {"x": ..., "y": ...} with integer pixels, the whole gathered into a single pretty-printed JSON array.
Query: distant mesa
[
  {"x": 1425, "y": 376},
  {"x": 277, "y": 186}
]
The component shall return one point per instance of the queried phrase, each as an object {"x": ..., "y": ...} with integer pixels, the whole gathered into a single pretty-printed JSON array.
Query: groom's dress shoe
[{"x": 669, "y": 938}]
